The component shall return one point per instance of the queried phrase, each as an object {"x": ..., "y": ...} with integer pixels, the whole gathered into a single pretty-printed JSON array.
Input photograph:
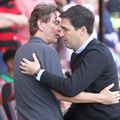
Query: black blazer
[{"x": 93, "y": 69}]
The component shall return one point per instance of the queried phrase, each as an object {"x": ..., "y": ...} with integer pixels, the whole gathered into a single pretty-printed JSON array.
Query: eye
[
  {"x": 56, "y": 22},
  {"x": 64, "y": 29}
]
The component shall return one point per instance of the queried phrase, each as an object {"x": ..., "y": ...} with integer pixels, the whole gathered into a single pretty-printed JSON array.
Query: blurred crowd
[{"x": 14, "y": 32}]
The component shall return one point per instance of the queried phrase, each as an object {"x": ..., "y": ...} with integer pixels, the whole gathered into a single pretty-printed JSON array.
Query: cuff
[{"x": 38, "y": 77}]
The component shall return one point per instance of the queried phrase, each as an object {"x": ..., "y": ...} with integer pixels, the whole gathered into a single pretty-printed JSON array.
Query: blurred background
[{"x": 14, "y": 32}]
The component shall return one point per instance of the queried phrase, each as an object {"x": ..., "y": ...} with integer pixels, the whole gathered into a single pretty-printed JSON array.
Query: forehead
[
  {"x": 65, "y": 22},
  {"x": 58, "y": 16},
  {"x": 55, "y": 16}
]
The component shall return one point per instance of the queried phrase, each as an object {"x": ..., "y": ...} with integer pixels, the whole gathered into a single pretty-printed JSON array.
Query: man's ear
[
  {"x": 40, "y": 25},
  {"x": 83, "y": 30}
]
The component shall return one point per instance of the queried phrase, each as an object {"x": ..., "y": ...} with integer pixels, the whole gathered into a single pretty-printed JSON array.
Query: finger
[
  {"x": 22, "y": 64},
  {"x": 110, "y": 86},
  {"x": 24, "y": 72},
  {"x": 118, "y": 98},
  {"x": 111, "y": 103},
  {"x": 115, "y": 92},
  {"x": 23, "y": 68},
  {"x": 25, "y": 60},
  {"x": 34, "y": 57},
  {"x": 114, "y": 102},
  {"x": 118, "y": 95}
]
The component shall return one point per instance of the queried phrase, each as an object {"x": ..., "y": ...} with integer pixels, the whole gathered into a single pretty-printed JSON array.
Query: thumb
[
  {"x": 34, "y": 57},
  {"x": 110, "y": 86}
]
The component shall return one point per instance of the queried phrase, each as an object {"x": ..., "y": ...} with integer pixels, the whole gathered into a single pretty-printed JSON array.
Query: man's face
[
  {"x": 70, "y": 35},
  {"x": 52, "y": 28}
]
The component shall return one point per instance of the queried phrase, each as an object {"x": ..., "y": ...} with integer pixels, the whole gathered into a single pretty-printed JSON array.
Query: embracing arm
[
  {"x": 105, "y": 96},
  {"x": 79, "y": 80}
]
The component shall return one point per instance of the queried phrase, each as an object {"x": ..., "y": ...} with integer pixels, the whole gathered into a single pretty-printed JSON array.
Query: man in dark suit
[{"x": 92, "y": 67}]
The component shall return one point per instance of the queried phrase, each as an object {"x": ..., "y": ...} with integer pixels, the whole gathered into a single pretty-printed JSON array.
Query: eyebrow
[{"x": 64, "y": 28}]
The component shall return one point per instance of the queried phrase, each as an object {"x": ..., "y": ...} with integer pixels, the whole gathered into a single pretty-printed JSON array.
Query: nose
[
  {"x": 59, "y": 30},
  {"x": 61, "y": 33}
]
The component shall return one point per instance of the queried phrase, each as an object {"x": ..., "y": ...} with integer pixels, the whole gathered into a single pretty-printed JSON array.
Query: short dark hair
[
  {"x": 41, "y": 12},
  {"x": 10, "y": 53},
  {"x": 80, "y": 16}
]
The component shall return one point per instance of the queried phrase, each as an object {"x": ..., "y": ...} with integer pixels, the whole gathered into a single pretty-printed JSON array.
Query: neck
[
  {"x": 82, "y": 42},
  {"x": 42, "y": 36}
]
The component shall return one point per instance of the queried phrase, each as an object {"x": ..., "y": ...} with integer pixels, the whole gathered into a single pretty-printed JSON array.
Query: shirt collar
[{"x": 84, "y": 45}]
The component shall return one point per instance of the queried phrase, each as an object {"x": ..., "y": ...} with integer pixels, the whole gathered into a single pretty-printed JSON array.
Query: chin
[
  {"x": 66, "y": 45},
  {"x": 53, "y": 42}
]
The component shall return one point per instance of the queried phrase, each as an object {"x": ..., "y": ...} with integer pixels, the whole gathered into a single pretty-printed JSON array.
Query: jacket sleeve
[
  {"x": 91, "y": 67},
  {"x": 50, "y": 61}
]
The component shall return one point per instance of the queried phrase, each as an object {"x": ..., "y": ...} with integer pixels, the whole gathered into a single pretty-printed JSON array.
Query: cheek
[
  {"x": 68, "y": 35},
  {"x": 50, "y": 32},
  {"x": 53, "y": 30}
]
